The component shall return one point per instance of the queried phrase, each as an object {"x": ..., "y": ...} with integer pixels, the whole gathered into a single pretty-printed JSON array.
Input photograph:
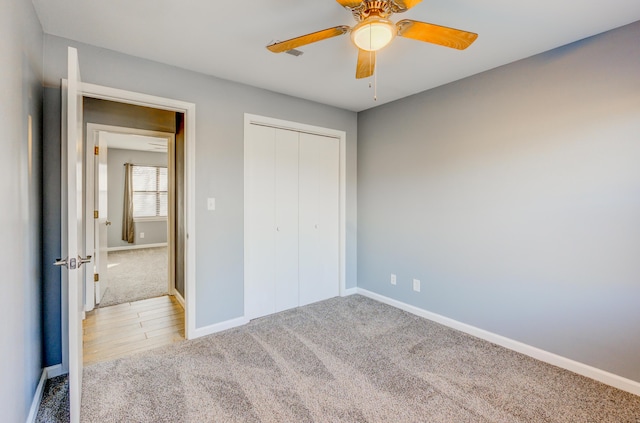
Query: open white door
[
  {"x": 72, "y": 234},
  {"x": 90, "y": 166},
  {"x": 102, "y": 222}
]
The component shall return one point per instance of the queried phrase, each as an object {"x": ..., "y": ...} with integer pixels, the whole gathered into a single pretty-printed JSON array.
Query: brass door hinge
[
  {"x": 96, "y": 150},
  {"x": 96, "y": 277},
  {"x": 95, "y": 214}
]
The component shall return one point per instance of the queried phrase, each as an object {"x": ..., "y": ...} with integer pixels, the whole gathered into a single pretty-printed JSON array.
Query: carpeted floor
[
  {"x": 136, "y": 275},
  {"x": 344, "y": 360},
  {"x": 54, "y": 407}
]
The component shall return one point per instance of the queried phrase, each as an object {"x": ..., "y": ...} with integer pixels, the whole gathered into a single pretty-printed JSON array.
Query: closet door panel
[
  {"x": 286, "y": 218},
  {"x": 319, "y": 218},
  {"x": 260, "y": 209}
]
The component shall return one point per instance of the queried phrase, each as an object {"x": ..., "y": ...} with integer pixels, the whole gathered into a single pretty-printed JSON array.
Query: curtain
[{"x": 128, "y": 230}]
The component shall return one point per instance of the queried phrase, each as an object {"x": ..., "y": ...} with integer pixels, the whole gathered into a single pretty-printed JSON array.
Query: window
[{"x": 149, "y": 191}]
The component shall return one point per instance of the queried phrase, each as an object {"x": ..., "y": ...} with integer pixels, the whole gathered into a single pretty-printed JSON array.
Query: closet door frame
[{"x": 250, "y": 119}]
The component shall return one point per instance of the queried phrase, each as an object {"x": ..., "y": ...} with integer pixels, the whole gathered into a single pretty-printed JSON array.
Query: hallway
[{"x": 124, "y": 329}]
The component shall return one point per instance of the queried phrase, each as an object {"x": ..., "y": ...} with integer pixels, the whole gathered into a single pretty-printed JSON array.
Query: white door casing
[
  {"x": 96, "y": 176},
  {"x": 189, "y": 111}
]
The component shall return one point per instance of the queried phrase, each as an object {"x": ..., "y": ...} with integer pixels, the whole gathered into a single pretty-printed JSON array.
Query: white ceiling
[
  {"x": 134, "y": 142},
  {"x": 227, "y": 39}
]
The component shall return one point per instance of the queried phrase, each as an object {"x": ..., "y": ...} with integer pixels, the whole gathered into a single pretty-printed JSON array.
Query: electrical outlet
[
  {"x": 393, "y": 279},
  {"x": 211, "y": 204},
  {"x": 416, "y": 285},
  {"x": 141, "y": 235}
]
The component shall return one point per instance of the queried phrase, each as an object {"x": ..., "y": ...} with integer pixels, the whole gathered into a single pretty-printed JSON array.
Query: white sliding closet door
[
  {"x": 260, "y": 211},
  {"x": 286, "y": 220},
  {"x": 319, "y": 172}
]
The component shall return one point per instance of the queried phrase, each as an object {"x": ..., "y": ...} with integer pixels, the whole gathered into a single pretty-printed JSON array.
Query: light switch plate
[
  {"x": 416, "y": 285},
  {"x": 211, "y": 203}
]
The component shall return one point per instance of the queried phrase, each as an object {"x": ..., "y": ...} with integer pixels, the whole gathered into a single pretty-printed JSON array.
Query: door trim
[
  {"x": 250, "y": 119},
  {"x": 92, "y": 133},
  {"x": 189, "y": 111}
]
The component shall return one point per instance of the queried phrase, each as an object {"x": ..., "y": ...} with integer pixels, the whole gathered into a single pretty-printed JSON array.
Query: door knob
[
  {"x": 84, "y": 260},
  {"x": 107, "y": 223},
  {"x": 66, "y": 262},
  {"x": 61, "y": 262}
]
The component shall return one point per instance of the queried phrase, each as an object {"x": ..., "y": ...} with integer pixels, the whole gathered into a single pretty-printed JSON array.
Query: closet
[{"x": 291, "y": 219}]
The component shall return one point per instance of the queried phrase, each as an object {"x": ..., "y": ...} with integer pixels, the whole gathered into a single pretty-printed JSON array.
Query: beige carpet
[
  {"x": 136, "y": 275},
  {"x": 344, "y": 360},
  {"x": 54, "y": 407}
]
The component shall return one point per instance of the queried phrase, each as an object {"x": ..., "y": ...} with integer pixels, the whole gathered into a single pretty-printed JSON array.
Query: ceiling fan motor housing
[{"x": 379, "y": 8}]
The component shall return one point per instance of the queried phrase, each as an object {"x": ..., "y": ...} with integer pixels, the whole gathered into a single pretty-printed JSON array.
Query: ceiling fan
[{"x": 374, "y": 31}]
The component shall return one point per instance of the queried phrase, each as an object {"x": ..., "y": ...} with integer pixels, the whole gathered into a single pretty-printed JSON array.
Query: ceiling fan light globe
[{"x": 373, "y": 34}]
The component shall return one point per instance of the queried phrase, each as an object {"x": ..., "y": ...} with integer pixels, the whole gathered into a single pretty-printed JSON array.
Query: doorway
[
  {"x": 133, "y": 250},
  {"x": 71, "y": 209},
  {"x": 131, "y": 298}
]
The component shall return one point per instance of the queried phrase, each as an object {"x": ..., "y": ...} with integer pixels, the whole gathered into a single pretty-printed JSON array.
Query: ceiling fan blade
[
  {"x": 404, "y": 5},
  {"x": 349, "y": 3},
  {"x": 308, "y": 39},
  {"x": 366, "y": 64},
  {"x": 436, "y": 34}
]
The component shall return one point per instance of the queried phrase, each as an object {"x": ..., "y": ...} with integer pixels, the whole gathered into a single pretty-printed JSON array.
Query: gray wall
[
  {"x": 155, "y": 232},
  {"x": 219, "y": 159},
  {"x": 514, "y": 196},
  {"x": 21, "y": 42},
  {"x": 51, "y": 230}
]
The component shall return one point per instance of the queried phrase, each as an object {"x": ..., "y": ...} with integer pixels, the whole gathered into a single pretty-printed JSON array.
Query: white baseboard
[
  {"x": 233, "y": 323},
  {"x": 136, "y": 247},
  {"x": 54, "y": 371},
  {"x": 219, "y": 327},
  {"x": 537, "y": 353},
  {"x": 349, "y": 291},
  {"x": 37, "y": 398}
]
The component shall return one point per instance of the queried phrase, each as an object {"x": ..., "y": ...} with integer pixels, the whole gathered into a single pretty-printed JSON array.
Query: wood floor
[{"x": 123, "y": 329}]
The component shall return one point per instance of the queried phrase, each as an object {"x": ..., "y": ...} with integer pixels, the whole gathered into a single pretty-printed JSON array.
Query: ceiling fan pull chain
[
  {"x": 375, "y": 79},
  {"x": 371, "y": 53}
]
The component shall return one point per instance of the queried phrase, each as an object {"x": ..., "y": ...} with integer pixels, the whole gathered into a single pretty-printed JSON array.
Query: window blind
[{"x": 150, "y": 196}]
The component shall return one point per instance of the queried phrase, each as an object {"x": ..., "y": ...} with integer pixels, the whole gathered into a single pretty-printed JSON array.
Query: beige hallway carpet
[
  {"x": 136, "y": 275},
  {"x": 344, "y": 360}
]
